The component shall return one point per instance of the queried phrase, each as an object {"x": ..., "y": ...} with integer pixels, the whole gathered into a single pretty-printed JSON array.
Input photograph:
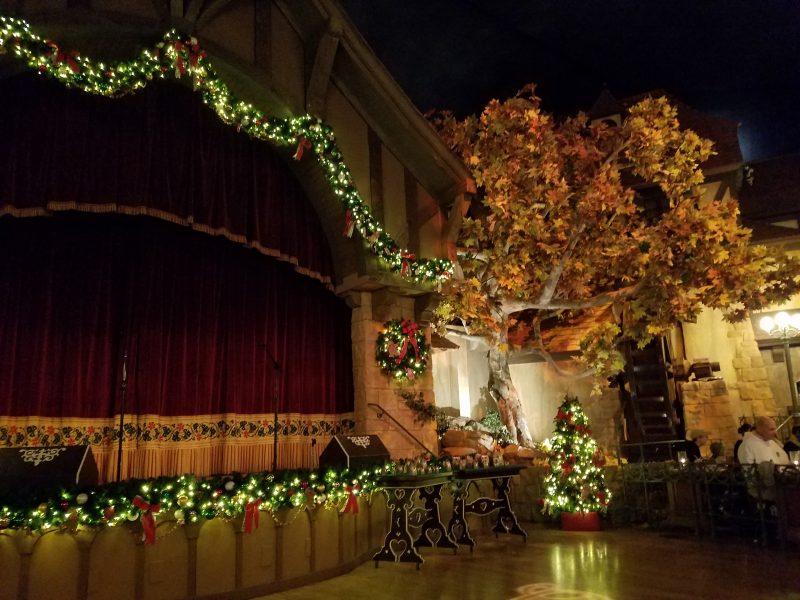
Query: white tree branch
[
  {"x": 549, "y": 288},
  {"x": 513, "y": 306}
]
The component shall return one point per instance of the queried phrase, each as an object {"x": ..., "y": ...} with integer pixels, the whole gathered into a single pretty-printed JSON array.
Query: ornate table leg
[
  {"x": 432, "y": 495},
  {"x": 399, "y": 501},
  {"x": 501, "y": 485},
  {"x": 458, "y": 520}
]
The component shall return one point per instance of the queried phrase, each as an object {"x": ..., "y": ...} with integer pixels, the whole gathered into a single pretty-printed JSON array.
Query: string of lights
[
  {"x": 187, "y": 498},
  {"x": 181, "y": 57}
]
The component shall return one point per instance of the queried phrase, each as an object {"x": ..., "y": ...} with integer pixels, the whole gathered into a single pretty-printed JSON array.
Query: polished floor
[{"x": 556, "y": 565}]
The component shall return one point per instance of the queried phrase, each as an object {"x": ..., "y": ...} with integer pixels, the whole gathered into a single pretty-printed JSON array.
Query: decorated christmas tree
[{"x": 575, "y": 481}]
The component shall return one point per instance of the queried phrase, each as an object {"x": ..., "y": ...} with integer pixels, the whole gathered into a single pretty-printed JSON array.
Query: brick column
[
  {"x": 751, "y": 394},
  {"x": 370, "y": 311}
]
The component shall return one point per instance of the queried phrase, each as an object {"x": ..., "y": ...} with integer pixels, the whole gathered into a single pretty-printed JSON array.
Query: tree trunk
[{"x": 505, "y": 394}]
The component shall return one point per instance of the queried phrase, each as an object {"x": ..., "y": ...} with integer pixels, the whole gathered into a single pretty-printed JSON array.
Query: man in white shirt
[{"x": 761, "y": 448}]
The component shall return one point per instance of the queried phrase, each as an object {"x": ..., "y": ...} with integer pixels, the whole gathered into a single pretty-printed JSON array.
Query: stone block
[
  {"x": 719, "y": 401},
  {"x": 741, "y": 363},
  {"x": 747, "y": 391},
  {"x": 754, "y": 374}
]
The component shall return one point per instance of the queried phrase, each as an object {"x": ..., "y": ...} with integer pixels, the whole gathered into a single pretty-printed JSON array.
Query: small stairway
[{"x": 646, "y": 401}]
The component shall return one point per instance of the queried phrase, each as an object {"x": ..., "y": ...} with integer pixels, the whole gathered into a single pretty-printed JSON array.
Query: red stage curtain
[
  {"x": 159, "y": 152},
  {"x": 192, "y": 311}
]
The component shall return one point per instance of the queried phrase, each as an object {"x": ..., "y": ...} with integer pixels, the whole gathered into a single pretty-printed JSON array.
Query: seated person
[
  {"x": 793, "y": 443},
  {"x": 759, "y": 454},
  {"x": 698, "y": 438},
  {"x": 744, "y": 428},
  {"x": 717, "y": 452},
  {"x": 761, "y": 448}
]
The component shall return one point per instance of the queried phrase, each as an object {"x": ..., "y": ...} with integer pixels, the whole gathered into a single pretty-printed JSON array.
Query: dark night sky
[{"x": 738, "y": 59}]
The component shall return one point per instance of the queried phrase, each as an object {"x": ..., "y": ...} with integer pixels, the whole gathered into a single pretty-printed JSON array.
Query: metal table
[
  {"x": 400, "y": 490},
  {"x": 458, "y": 528}
]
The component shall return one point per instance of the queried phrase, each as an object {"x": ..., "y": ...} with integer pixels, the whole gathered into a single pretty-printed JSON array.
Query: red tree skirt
[{"x": 580, "y": 521}]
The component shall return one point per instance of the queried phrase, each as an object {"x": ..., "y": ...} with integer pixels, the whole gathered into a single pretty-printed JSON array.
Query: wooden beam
[
  {"x": 410, "y": 185},
  {"x": 176, "y": 9},
  {"x": 212, "y": 10},
  {"x": 375, "y": 174},
  {"x": 262, "y": 40},
  {"x": 321, "y": 70},
  {"x": 425, "y": 213},
  {"x": 456, "y": 217},
  {"x": 193, "y": 11},
  {"x": 162, "y": 8}
]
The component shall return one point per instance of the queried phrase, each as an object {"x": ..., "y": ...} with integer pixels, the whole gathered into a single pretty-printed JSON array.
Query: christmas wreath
[{"x": 401, "y": 350}]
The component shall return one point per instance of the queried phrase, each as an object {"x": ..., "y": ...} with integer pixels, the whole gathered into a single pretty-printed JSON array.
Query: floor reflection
[
  {"x": 587, "y": 563},
  {"x": 552, "y": 591}
]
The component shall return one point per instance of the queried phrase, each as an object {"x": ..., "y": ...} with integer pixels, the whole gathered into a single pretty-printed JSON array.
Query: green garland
[
  {"x": 186, "y": 498},
  {"x": 180, "y": 56},
  {"x": 401, "y": 350},
  {"x": 425, "y": 412}
]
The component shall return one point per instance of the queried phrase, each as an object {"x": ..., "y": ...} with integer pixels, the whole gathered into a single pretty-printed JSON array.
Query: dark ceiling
[{"x": 738, "y": 59}]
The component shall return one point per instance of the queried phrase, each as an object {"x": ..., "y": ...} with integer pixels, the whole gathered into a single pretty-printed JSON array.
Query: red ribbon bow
[
  {"x": 409, "y": 329},
  {"x": 148, "y": 520},
  {"x": 195, "y": 53},
  {"x": 302, "y": 145},
  {"x": 405, "y": 267},
  {"x": 352, "y": 500},
  {"x": 251, "y": 515},
  {"x": 65, "y": 57},
  {"x": 179, "y": 64},
  {"x": 349, "y": 223}
]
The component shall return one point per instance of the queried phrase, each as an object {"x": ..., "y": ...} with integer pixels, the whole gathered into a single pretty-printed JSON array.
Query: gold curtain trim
[
  {"x": 52, "y": 207},
  {"x": 202, "y": 448}
]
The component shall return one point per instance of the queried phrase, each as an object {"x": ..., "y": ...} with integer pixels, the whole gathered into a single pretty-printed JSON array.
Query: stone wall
[
  {"x": 372, "y": 387},
  {"x": 752, "y": 394},
  {"x": 717, "y": 406},
  {"x": 707, "y": 405},
  {"x": 604, "y": 413}
]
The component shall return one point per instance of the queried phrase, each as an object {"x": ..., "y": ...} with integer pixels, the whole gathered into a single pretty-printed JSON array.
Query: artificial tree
[
  {"x": 559, "y": 232},
  {"x": 574, "y": 482}
]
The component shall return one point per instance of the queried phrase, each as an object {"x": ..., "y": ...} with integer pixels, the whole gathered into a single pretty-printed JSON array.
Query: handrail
[
  {"x": 382, "y": 411},
  {"x": 787, "y": 420}
]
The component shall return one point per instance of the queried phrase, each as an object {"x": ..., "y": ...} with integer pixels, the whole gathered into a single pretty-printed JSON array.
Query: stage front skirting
[
  {"x": 190, "y": 323},
  {"x": 154, "y": 445}
]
